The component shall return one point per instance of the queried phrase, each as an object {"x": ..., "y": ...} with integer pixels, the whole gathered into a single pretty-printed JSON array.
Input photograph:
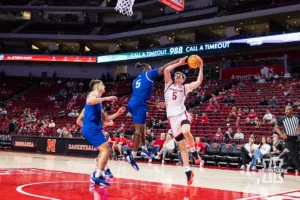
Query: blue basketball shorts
[
  {"x": 138, "y": 109},
  {"x": 94, "y": 135}
]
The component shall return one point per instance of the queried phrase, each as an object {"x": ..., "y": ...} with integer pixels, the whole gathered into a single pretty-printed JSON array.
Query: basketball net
[{"x": 125, "y": 7}]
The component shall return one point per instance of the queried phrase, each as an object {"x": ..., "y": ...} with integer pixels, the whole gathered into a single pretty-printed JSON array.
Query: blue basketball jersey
[
  {"x": 92, "y": 114},
  {"x": 143, "y": 84}
]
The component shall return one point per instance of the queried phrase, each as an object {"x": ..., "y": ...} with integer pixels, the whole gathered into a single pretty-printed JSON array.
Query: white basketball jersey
[{"x": 175, "y": 98}]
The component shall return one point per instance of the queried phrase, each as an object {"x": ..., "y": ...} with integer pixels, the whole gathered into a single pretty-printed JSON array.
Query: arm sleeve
[
  {"x": 152, "y": 74},
  {"x": 280, "y": 122}
]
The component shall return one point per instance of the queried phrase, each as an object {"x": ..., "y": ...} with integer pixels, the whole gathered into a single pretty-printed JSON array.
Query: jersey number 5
[
  {"x": 138, "y": 83},
  {"x": 174, "y": 96}
]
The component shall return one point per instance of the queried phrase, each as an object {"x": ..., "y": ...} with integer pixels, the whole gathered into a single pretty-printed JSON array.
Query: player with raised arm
[
  {"x": 92, "y": 127},
  {"x": 180, "y": 120},
  {"x": 107, "y": 173},
  {"x": 138, "y": 105}
]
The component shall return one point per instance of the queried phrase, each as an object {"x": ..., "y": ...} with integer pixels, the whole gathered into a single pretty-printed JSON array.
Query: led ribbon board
[{"x": 198, "y": 48}]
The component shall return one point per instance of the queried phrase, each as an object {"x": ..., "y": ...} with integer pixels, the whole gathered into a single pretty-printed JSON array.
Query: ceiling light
[
  {"x": 295, "y": 22},
  {"x": 221, "y": 26},
  {"x": 241, "y": 23},
  {"x": 253, "y": 21}
]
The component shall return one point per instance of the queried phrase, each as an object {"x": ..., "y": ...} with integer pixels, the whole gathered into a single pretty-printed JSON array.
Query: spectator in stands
[
  {"x": 158, "y": 144},
  {"x": 80, "y": 83},
  {"x": 160, "y": 124},
  {"x": 233, "y": 112},
  {"x": 219, "y": 134},
  {"x": 252, "y": 115},
  {"x": 68, "y": 134},
  {"x": 42, "y": 132},
  {"x": 273, "y": 120},
  {"x": 288, "y": 92},
  {"x": 200, "y": 146},
  {"x": 4, "y": 111},
  {"x": 33, "y": 118},
  {"x": 168, "y": 147},
  {"x": 263, "y": 102},
  {"x": 59, "y": 132},
  {"x": 76, "y": 114},
  {"x": 287, "y": 75},
  {"x": 257, "y": 123},
  {"x": 247, "y": 152},
  {"x": 262, "y": 151},
  {"x": 210, "y": 106},
  {"x": 228, "y": 121},
  {"x": 228, "y": 99},
  {"x": 52, "y": 124},
  {"x": 121, "y": 141},
  {"x": 204, "y": 119},
  {"x": 239, "y": 135},
  {"x": 267, "y": 117},
  {"x": 240, "y": 113},
  {"x": 246, "y": 110},
  {"x": 273, "y": 102},
  {"x": 122, "y": 129},
  {"x": 127, "y": 148},
  {"x": 238, "y": 122},
  {"x": 277, "y": 147},
  {"x": 195, "y": 119},
  {"x": 289, "y": 102},
  {"x": 229, "y": 135},
  {"x": 201, "y": 96},
  {"x": 226, "y": 109},
  {"x": 72, "y": 113},
  {"x": 149, "y": 136},
  {"x": 262, "y": 79}
]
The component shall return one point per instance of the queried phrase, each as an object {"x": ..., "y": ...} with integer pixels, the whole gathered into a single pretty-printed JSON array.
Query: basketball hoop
[{"x": 125, "y": 7}]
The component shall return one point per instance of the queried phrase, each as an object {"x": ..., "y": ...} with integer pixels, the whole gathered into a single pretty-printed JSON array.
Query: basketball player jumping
[
  {"x": 180, "y": 120},
  {"x": 107, "y": 173},
  {"x": 92, "y": 127},
  {"x": 138, "y": 105}
]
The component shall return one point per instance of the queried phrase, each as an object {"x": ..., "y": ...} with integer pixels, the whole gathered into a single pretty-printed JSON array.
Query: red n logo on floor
[{"x": 51, "y": 145}]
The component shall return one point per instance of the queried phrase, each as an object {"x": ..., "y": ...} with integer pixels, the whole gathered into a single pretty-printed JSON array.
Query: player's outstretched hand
[
  {"x": 161, "y": 105},
  {"x": 182, "y": 61},
  {"x": 121, "y": 110},
  {"x": 111, "y": 98}
]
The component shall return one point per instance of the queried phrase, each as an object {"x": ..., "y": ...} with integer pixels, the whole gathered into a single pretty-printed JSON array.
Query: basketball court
[{"x": 36, "y": 176}]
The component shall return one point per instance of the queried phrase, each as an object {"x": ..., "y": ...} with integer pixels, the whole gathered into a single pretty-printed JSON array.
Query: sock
[
  {"x": 144, "y": 147},
  {"x": 106, "y": 167},
  {"x": 133, "y": 153},
  {"x": 187, "y": 168},
  {"x": 98, "y": 173}
]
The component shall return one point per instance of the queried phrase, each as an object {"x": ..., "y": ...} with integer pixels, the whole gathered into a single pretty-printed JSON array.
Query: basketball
[{"x": 194, "y": 61}]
